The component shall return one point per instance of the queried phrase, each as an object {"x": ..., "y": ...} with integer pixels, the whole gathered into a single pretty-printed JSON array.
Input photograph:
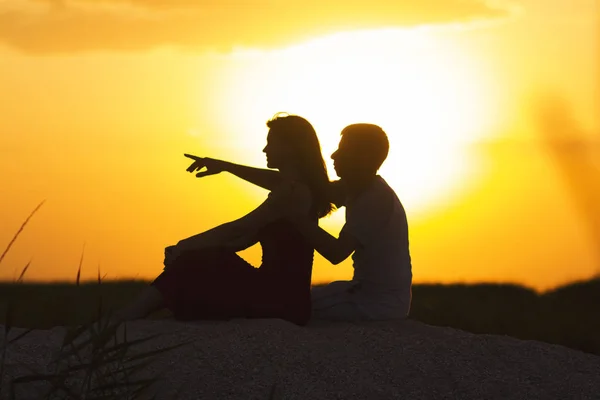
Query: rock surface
[{"x": 247, "y": 359}]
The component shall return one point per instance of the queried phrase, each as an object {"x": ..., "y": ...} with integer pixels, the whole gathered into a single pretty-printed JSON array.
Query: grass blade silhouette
[
  {"x": 20, "y": 279},
  {"x": 7, "y": 327},
  {"x": 14, "y": 239},
  {"x": 77, "y": 280},
  {"x": 100, "y": 305},
  {"x": 20, "y": 335}
]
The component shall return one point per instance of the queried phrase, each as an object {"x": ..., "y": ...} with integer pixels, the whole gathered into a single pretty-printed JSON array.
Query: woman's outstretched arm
[
  {"x": 242, "y": 242},
  {"x": 265, "y": 178},
  {"x": 224, "y": 235}
]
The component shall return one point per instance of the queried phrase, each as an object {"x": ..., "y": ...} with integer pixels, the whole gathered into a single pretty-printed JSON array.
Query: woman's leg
[
  {"x": 197, "y": 278},
  {"x": 151, "y": 299}
]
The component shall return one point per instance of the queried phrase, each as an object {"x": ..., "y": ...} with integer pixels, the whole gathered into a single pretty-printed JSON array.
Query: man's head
[{"x": 362, "y": 150}]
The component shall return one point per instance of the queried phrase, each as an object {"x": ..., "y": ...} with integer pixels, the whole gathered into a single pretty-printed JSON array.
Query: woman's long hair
[{"x": 302, "y": 137}]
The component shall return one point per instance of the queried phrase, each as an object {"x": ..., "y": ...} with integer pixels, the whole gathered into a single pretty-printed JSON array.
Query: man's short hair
[{"x": 370, "y": 140}]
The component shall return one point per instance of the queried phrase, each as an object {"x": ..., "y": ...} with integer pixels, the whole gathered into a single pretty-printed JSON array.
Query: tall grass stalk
[
  {"x": 92, "y": 363},
  {"x": 14, "y": 239},
  {"x": 78, "y": 278},
  {"x": 23, "y": 271},
  {"x": 9, "y": 305}
]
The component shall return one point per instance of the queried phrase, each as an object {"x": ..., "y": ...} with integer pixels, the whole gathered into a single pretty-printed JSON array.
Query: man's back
[{"x": 382, "y": 263}]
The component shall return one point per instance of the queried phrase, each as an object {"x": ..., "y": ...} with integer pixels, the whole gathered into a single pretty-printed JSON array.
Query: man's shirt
[{"x": 382, "y": 263}]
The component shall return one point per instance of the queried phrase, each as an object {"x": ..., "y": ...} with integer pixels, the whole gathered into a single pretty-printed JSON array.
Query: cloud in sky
[{"x": 65, "y": 26}]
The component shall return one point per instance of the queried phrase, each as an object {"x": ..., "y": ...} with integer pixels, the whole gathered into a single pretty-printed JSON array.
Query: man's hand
[
  {"x": 213, "y": 166},
  {"x": 337, "y": 193}
]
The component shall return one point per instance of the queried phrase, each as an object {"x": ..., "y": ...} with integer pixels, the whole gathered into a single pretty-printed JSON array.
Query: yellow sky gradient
[{"x": 100, "y": 99}]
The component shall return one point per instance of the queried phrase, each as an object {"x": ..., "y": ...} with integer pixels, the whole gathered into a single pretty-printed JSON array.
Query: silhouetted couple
[{"x": 204, "y": 278}]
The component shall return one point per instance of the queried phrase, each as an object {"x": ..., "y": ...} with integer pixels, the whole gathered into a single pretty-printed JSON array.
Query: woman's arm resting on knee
[
  {"x": 241, "y": 243},
  {"x": 270, "y": 210},
  {"x": 213, "y": 237},
  {"x": 220, "y": 236},
  {"x": 265, "y": 178}
]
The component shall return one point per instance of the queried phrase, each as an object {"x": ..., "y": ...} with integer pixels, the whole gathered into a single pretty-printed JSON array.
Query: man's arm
[{"x": 335, "y": 250}]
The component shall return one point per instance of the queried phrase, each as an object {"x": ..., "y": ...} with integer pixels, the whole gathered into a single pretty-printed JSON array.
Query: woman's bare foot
[{"x": 147, "y": 302}]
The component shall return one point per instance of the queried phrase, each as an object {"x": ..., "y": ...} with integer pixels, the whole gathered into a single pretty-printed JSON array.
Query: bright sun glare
[{"x": 427, "y": 94}]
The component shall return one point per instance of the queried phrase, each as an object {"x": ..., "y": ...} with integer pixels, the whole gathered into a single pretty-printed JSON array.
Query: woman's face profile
[{"x": 277, "y": 150}]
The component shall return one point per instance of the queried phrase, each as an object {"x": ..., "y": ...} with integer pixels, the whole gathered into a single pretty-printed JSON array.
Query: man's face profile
[{"x": 345, "y": 157}]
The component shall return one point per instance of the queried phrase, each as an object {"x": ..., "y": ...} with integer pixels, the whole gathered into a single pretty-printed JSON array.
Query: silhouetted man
[{"x": 376, "y": 231}]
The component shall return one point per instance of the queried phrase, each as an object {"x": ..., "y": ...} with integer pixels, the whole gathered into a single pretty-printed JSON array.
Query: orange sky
[{"x": 101, "y": 98}]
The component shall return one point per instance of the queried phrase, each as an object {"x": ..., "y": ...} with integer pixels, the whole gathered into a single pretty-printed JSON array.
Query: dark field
[{"x": 569, "y": 315}]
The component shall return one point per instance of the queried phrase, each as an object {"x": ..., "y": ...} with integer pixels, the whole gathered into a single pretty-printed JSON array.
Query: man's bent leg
[{"x": 149, "y": 300}]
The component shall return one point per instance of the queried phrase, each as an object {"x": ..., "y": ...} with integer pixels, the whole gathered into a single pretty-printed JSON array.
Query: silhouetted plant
[
  {"x": 98, "y": 366},
  {"x": 9, "y": 308},
  {"x": 92, "y": 363}
]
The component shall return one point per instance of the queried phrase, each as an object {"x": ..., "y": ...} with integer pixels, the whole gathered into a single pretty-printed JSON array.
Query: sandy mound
[{"x": 243, "y": 359}]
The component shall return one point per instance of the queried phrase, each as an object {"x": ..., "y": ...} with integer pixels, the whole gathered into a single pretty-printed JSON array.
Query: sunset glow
[
  {"x": 430, "y": 96},
  {"x": 101, "y": 99}
]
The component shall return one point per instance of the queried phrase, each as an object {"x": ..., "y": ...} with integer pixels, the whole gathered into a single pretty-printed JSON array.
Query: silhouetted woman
[{"x": 204, "y": 278}]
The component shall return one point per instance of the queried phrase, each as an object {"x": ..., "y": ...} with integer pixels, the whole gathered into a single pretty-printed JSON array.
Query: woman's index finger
[{"x": 193, "y": 157}]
